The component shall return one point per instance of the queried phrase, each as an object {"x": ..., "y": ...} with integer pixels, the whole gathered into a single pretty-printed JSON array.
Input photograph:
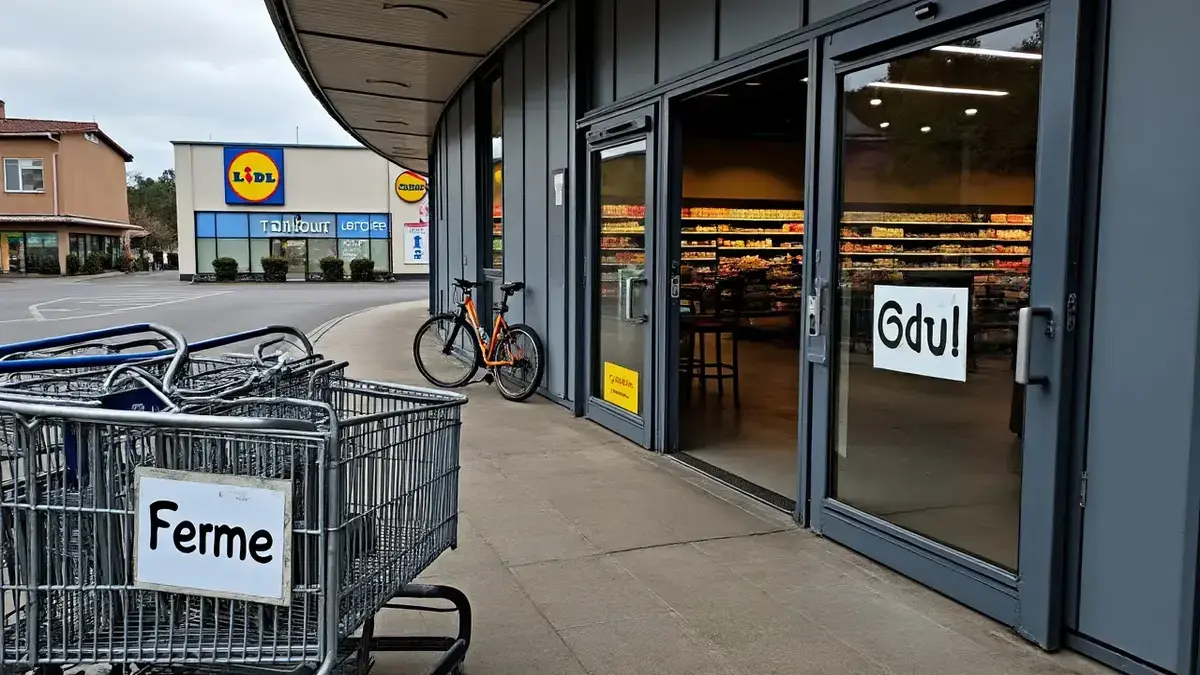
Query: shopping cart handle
[
  {"x": 42, "y": 344},
  {"x": 234, "y": 338}
]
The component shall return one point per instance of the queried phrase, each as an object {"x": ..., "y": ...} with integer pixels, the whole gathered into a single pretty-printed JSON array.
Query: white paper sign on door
[
  {"x": 208, "y": 534},
  {"x": 922, "y": 330}
]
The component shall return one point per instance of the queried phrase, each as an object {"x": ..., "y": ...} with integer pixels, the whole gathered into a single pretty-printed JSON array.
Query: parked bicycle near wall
[{"x": 451, "y": 347}]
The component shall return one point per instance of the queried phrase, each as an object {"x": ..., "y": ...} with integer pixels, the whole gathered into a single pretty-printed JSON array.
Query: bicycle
[{"x": 457, "y": 343}]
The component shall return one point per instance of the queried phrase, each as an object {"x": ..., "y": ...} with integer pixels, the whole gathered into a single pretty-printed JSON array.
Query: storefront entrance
[
  {"x": 296, "y": 252},
  {"x": 620, "y": 335},
  {"x": 937, "y": 326}
]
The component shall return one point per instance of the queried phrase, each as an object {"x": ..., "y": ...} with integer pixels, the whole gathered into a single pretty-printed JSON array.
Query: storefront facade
[
  {"x": 303, "y": 203},
  {"x": 930, "y": 248}
]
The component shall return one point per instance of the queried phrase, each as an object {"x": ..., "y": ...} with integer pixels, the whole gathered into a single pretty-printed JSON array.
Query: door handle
[
  {"x": 629, "y": 283},
  {"x": 816, "y": 302},
  {"x": 1024, "y": 339}
]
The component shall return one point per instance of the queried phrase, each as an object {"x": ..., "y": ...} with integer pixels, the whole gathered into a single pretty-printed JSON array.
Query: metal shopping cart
[{"x": 248, "y": 532}]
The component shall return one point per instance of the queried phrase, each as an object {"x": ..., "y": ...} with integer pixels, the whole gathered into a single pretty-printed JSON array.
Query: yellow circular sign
[
  {"x": 411, "y": 187},
  {"x": 253, "y": 176}
]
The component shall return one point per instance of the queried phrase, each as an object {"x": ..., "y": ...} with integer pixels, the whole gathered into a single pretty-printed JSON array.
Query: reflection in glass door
[
  {"x": 296, "y": 252},
  {"x": 621, "y": 326},
  {"x": 938, "y": 154}
]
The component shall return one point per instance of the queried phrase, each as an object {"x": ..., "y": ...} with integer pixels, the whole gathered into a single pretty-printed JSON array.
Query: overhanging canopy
[{"x": 384, "y": 70}]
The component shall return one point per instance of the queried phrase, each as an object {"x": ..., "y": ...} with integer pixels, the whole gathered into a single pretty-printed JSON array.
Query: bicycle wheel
[
  {"x": 521, "y": 345},
  {"x": 446, "y": 351}
]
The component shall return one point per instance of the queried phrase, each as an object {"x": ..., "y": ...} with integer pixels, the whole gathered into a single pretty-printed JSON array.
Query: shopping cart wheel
[{"x": 453, "y": 648}]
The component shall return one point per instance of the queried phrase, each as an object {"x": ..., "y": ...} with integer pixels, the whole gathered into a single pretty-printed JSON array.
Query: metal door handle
[
  {"x": 815, "y": 303},
  {"x": 629, "y": 282},
  {"x": 1024, "y": 339}
]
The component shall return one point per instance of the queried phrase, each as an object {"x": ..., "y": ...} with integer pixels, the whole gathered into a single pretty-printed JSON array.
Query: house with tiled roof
[{"x": 64, "y": 192}]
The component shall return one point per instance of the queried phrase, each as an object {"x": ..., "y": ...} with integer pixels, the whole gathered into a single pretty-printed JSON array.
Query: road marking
[{"x": 37, "y": 312}]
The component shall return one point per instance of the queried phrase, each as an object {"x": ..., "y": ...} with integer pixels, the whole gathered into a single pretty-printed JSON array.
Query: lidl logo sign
[
  {"x": 411, "y": 187},
  {"x": 254, "y": 176}
]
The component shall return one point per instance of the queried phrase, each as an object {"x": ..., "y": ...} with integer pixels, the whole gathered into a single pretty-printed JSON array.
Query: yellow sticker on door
[{"x": 621, "y": 386}]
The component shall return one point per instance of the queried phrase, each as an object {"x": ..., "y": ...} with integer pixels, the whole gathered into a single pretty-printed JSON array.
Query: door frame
[
  {"x": 623, "y": 128},
  {"x": 1031, "y": 599}
]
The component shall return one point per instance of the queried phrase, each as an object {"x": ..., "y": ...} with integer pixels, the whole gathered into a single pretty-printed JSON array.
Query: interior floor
[{"x": 939, "y": 460}]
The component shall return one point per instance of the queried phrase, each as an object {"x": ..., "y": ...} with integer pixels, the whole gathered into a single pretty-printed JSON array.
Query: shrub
[
  {"x": 362, "y": 269},
  {"x": 141, "y": 264},
  {"x": 225, "y": 269},
  {"x": 332, "y": 269},
  {"x": 47, "y": 265},
  {"x": 275, "y": 268},
  {"x": 94, "y": 262},
  {"x": 73, "y": 264}
]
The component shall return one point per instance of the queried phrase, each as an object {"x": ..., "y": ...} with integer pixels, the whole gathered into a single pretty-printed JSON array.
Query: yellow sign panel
[
  {"x": 411, "y": 187},
  {"x": 621, "y": 386}
]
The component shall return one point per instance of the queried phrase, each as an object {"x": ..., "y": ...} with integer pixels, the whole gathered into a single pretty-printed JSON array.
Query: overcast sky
[{"x": 153, "y": 71}]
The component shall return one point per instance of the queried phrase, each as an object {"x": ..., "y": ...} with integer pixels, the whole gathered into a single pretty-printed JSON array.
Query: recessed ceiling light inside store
[
  {"x": 876, "y": 101},
  {"x": 937, "y": 90}
]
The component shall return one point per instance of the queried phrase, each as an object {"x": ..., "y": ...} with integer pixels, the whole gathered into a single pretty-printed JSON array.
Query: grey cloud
[{"x": 153, "y": 71}]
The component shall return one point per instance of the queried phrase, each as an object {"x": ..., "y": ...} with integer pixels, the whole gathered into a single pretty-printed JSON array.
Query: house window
[
  {"x": 23, "y": 175},
  {"x": 496, "y": 173}
]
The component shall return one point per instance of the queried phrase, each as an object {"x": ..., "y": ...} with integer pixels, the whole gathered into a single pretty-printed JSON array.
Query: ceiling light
[
  {"x": 926, "y": 130},
  {"x": 884, "y": 125},
  {"x": 804, "y": 79},
  {"x": 372, "y": 80},
  {"x": 876, "y": 101},
  {"x": 971, "y": 111},
  {"x": 937, "y": 90},
  {"x": 753, "y": 84},
  {"x": 979, "y": 51},
  {"x": 717, "y": 93}
]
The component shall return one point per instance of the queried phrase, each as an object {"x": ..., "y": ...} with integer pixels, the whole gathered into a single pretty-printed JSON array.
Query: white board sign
[
  {"x": 416, "y": 243},
  {"x": 219, "y": 536},
  {"x": 922, "y": 330}
]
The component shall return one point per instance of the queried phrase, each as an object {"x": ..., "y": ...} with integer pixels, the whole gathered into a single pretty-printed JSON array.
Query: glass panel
[
  {"x": 238, "y": 249},
  {"x": 621, "y": 334},
  {"x": 41, "y": 252},
  {"x": 31, "y": 175},
  {"x": 206, "y": 253},
  {"x": 353, "y": 249},
  {"x": 938, "y": 162},
  {"x": 497, "y": 171},
  {"x": 381, "y": 254},
  {"x": 12, "y": 252},
  {"x": 322, "y": 248},
  {"x": 296, "y": 252},
  {"x": 259, "y": 249},
  {"x": 12, "y": 175}
]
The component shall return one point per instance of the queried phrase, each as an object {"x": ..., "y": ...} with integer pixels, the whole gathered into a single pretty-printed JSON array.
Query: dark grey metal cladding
[
  {"x": 687, "y": 31},
  {"x": 535, "y": 179},
  {"x": 468, "y": 256},
  {"x": 1142, "y": 423},
  {"x": 457, "y": 218},
  {"x": 819, "y": 10},
  {"x": 635, "y": 42},
  {"x": 513, "y": 148},
  {"x": 559, "y": 127},
  {"x": 604, "y": 58},
  {"x": 745, "y": 23}
]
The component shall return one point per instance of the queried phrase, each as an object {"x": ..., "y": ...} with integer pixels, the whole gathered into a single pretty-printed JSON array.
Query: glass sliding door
[
  {"x": 621, "y": 302},
  {"x": 940, "y": 341}
]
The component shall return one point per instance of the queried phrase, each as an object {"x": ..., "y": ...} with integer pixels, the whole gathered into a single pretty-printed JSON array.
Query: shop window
[
  {"x": 238, "y": 249},
  {"x": 322, "y": 248},
  {"x": 23, "y": 175},
  {"x": 496, "y": 174},
  {"x": 230, "y": 225},
  {"x": 41, "y": 250},
  {"x": 353, "y": 249},
  {"x": 206, "y": 225},
  {"x": 79, "y": 246},
  {"x": 259, "y": 249},
  {"x": 206, "y": 252},
  {"x": 381, "y": 250},
  {"x": 12, "y": 252}
]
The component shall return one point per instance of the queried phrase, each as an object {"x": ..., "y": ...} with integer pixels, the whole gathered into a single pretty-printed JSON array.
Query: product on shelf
[
  {"x": 742, "y": 214},
  {"x": 619, "y": 242},
  {"x": 905, "y": 217},
  {"x": 622, "y": 211},
  {"x": 887, "y": 232},
  {"x": 619, "y": 227},
  {"x": 624, "y": 258}
]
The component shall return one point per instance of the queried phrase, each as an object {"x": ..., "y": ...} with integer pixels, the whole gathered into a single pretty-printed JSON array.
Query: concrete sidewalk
[{"x": 584, "y": 554}]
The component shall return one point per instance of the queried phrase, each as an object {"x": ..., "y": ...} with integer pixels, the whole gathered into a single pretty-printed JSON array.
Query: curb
[{"x": 320, "y": 331}]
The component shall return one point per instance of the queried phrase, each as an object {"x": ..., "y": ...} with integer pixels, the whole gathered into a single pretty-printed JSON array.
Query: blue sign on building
[{"x": 254, "y": 175}]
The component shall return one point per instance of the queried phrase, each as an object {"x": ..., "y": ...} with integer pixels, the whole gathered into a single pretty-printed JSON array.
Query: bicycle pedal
[{"x": 489, "y": 378}]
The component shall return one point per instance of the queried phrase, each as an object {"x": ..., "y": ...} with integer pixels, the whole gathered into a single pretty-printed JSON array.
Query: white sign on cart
[
  {"x": 214, "y": 535},
  {"x": 921, "y": 330}
]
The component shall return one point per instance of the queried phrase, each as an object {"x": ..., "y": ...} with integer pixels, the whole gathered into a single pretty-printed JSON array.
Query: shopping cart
[{"x": 368, "y": 472}]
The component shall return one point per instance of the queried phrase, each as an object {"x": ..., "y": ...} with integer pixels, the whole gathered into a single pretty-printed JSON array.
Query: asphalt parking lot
[{"x": 35, "y": 308}]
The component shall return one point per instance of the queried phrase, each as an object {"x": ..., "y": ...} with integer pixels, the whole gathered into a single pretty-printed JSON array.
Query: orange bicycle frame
[{"x": 486, "y": 348}]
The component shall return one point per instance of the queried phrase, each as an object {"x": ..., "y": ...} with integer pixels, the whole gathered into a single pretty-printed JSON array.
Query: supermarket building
[
  {"x": 300, "y": 202},
  {"x": 922, "y": 274}
]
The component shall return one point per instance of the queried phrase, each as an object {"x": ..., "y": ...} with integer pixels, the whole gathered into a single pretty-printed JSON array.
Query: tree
[{"x": 152, "y": 208}]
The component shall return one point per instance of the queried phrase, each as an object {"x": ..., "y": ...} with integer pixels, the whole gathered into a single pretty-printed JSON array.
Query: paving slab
[{"x": 584, "y": 554}]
